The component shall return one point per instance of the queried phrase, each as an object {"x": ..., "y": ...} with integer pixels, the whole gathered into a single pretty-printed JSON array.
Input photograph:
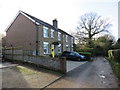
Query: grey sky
[{"x": 67, "y": 12}]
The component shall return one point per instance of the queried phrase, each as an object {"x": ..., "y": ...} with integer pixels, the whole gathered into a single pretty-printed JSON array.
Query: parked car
[{"x": 73, "y": 56}]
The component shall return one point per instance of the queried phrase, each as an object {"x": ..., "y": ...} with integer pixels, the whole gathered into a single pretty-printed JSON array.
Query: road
[{"x": 94, "y": 74}]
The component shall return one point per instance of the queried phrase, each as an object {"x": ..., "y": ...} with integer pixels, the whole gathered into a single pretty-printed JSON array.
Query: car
[{"x": 73, "y": 56}]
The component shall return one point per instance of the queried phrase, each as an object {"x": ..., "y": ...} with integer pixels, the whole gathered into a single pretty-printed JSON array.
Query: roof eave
[{"x": 20, "y": 12}]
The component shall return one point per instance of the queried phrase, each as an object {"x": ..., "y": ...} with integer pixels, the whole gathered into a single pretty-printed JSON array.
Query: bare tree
[{"x": 91, "y": 24}]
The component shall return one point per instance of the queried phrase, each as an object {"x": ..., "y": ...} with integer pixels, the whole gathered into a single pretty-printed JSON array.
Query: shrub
[
  {"x": 116, "y": 54},
  {"x": 98, "y": 51}
]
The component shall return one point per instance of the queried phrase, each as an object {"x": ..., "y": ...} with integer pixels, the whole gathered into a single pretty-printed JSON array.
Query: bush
[
  {"x": 98, "y": 51},
  {"x": 116, "y": 54}
]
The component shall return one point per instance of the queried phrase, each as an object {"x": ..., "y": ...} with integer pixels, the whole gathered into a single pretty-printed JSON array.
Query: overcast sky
[{"x": 67, "y": 12}]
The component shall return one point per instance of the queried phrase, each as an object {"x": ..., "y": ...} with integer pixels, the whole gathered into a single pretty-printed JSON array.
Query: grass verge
[{"x": 116, "y": 68}]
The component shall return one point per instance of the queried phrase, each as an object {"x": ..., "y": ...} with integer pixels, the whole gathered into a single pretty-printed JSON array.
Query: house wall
[
  {"x": 22, "y": 33},
  {"x": 51, "y": 40}
]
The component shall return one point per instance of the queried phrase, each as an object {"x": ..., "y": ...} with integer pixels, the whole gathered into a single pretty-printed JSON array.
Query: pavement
[
  {"x": 95, "y": 74},
  {"x": 6, "y": 64},
  {"x": 27, "y": 77},
  {"x": 17, "y": 76}
]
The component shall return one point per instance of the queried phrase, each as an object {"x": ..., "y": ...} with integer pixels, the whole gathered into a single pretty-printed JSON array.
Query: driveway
[
  {"x": 71, "y": 65},
  {"x": 94, "y": 74}
]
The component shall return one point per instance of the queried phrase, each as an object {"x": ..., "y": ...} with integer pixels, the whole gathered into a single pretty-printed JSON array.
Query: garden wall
[{"x": 57, "y": 64}]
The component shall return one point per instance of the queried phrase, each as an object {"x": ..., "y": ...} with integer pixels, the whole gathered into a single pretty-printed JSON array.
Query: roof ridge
[{"x": 37, "y": 21}]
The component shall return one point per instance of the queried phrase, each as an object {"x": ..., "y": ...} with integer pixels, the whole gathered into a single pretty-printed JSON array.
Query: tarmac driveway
[
  {"x": 94, "y": 74},
  {"x": 71, "y": 65}
]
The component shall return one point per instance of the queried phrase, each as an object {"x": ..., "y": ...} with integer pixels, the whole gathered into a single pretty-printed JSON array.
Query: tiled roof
[
  {"x": 45, "y": 24},
  {"x": 40, "y": 21}
]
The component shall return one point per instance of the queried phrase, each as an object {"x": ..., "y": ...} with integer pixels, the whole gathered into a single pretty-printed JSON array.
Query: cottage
[{"x": 38, "y": 36}]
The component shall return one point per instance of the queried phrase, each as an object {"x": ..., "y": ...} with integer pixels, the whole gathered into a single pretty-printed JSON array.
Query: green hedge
[
  {"x": 87, "y": 54},
  {"x": 84, "y": 50}
]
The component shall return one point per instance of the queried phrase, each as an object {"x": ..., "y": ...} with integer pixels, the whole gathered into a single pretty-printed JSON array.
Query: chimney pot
[{"x": 55, "y": 23}]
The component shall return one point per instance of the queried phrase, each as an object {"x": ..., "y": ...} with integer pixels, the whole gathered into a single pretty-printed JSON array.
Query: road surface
[{"x": 94, "y": 74}]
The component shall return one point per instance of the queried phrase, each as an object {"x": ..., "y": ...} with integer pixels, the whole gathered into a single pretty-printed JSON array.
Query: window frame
[
  {"x": 46, "y": 43},
  {"x": 59, "y": 36},
  {"x": 67, "y": 46},
  {"x": 66, "y": 38},
  {"x": 44, "y": 34},
  {"x": 52, "y": 33},
  {"x": 59, "y": 48},
  {"x": 72, "y": 41}
]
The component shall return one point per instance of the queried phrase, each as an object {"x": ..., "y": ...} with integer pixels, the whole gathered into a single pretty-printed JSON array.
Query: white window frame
[
  {"x": 52, "y": 33},
  {"x": 59, "y": 48},
  {"x": 47, "y": 48},
  {"x": 66, "y": 46},
  {"x": 44, "y": 34},
  {"x": 72, "y": 41},
  {"x": 59, "y": 36},
  {"x": 66, "y": 38}
]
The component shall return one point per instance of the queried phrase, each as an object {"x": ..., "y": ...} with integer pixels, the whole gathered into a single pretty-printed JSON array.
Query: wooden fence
[{"x": 57, "y": 64}]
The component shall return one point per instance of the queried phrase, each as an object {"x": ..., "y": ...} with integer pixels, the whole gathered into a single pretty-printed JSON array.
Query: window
[
  {"x": 52, "y": 33},
  {"x": 59, "y": 48},
  {"x": 66, "y": 38},
  {"x": 72, "y": 41},
  {"x": 72, "y": 53},
  {"x": 59, "y": 36},
  {"x": 45, "y": 31},
  {"x": 66, "y": 46},
  {"x": 45, "y": 46}
]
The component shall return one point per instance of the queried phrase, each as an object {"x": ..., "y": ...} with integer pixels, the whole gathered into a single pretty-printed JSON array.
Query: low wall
[{"x": 57, "y": 64}]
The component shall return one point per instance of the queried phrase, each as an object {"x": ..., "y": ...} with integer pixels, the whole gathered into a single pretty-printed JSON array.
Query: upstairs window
[
  {"x": 59, "y": 36},
  {"x": 66, "y": 38},
  {"x": 45, "y": 46},
  {"x": 45, "y": 31},
  {"x": 52, "y": 33}
]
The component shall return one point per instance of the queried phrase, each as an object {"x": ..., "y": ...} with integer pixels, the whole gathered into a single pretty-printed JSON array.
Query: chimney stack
[{"x": 55, "y": 23}]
